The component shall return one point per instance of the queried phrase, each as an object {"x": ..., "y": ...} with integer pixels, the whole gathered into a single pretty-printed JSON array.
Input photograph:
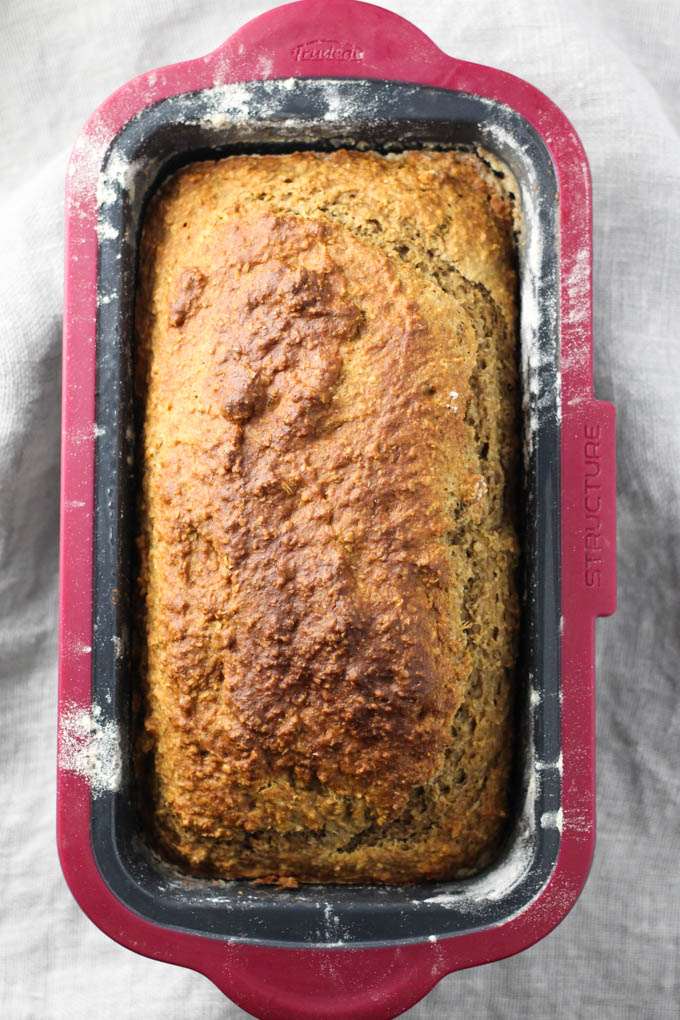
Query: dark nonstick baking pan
[{"x": 317, "y": 76}]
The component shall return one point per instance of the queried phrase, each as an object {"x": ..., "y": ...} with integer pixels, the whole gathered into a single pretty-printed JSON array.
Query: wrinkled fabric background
[{"x": 614, "y": 68}]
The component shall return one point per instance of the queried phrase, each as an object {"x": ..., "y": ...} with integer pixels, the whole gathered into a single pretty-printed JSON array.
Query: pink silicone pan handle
[
  {"x": 330, "y": 38},
  {"x": 373, "y": 984}
]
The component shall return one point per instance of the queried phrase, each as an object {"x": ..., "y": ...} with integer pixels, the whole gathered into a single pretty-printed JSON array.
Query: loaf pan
[{"x": 315, "y": 75}]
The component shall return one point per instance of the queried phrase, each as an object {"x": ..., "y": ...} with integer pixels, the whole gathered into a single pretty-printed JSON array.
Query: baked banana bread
[{"x": 326, "y": 374}]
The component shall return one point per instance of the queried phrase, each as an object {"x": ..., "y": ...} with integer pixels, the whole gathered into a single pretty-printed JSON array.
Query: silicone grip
[
  {"x": 334, "y": 984},
  {"x": 589, "y": 484},
  {"x": 331, "y": 38}
]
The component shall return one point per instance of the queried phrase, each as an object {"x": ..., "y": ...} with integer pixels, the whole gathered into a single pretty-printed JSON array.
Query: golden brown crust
[{"x": 326, "y": 539}]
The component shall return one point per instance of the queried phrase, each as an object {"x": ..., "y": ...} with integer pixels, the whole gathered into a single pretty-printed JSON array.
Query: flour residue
[
  {"x": 577, "y": 357},
  {"x": 338, "y": 100},
  {"x": 539, "y": 305},
  {"x": 89, "y": 746},
  {"x": 552, "y": 820},
  {"x": 226, "y": 104}
]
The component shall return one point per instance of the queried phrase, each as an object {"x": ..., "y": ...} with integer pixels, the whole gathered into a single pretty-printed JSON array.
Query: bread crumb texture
[{"x": 326, "y": 374}]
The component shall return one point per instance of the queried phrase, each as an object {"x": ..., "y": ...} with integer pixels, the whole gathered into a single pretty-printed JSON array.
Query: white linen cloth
[{"x": 614, "y": 68}]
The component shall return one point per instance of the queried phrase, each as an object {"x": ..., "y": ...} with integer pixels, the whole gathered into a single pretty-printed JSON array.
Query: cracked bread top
[{"x": 326, "y": 524}]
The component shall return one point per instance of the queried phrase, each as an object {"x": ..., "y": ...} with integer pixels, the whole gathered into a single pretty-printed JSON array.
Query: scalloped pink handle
[
  {"x": 341, "y": 984},
  {"x": 330, "y": 38}
]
